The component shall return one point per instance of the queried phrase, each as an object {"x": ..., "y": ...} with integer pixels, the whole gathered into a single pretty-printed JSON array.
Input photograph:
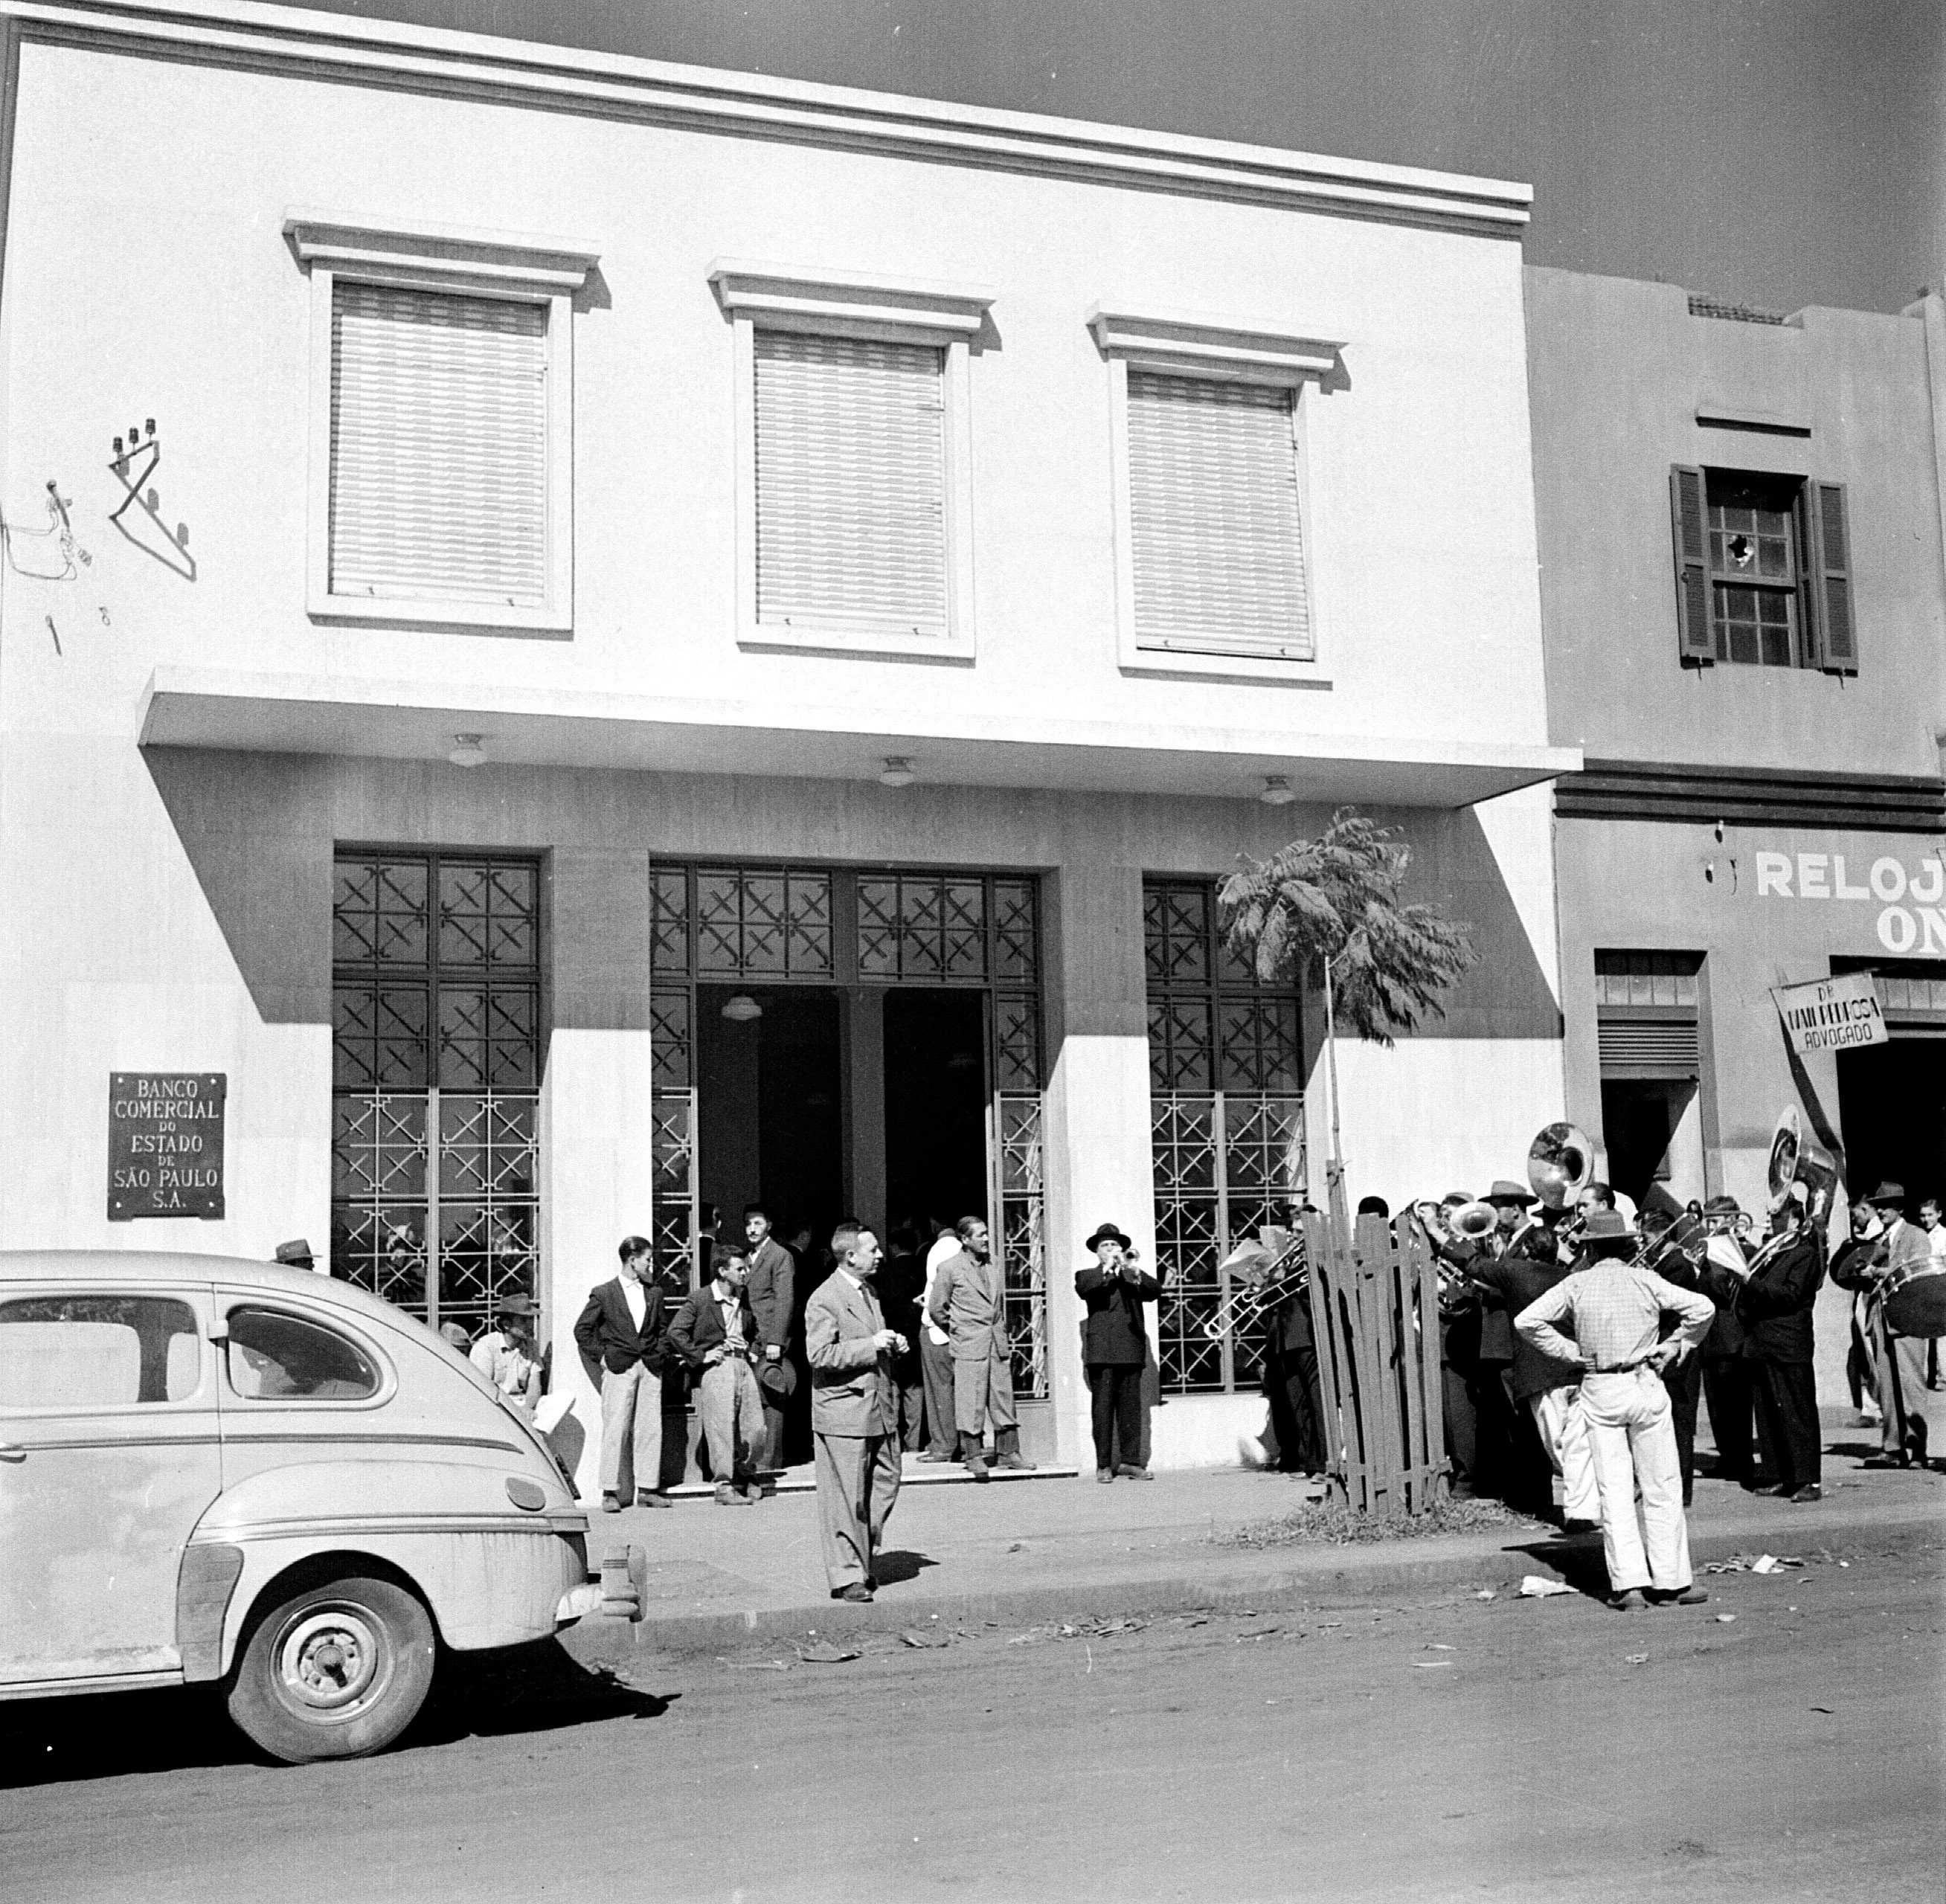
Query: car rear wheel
[{"x": 335, "y": 1672}]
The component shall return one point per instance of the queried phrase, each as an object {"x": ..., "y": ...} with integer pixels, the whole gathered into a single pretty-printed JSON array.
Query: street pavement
[{"x": 1366, "y": 1726}]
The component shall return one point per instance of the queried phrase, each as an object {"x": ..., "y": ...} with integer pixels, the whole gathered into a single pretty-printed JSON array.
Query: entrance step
[{"x": 913, "y": 1473}]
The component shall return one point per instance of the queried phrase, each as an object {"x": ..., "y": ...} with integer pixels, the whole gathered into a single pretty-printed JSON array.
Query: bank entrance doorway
[
  {"x": 1892, "y": 1097},
  {"x": 832, "y": 1041}
]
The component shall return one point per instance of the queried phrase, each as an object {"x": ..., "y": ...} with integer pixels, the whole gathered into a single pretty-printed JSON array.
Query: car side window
[
  {"x": 98, "y": 1351},
  {"x": 277, "y": 1356}
]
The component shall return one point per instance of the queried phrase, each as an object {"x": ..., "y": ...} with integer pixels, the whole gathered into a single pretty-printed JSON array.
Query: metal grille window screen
[
  {"x": 1216, "y": 530},
  {"x": 850, "y": 457},
  {"x": 436, "y": 1045},
  {"x": 438, "y": 447}
]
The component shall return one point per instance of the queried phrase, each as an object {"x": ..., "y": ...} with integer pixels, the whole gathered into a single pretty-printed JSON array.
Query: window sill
[
  {"x": 777, "y": 638},
  {"x": 486, "y": 617},
  {"x": 1167, "y": 664}
]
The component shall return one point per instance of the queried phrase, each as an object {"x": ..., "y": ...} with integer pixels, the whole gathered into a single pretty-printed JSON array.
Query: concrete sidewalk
[{"x": 1031, "y": 1549}]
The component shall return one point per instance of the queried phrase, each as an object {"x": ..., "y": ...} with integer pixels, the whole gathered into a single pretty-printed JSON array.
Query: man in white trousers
[{"x": 1613, "y": 1308}]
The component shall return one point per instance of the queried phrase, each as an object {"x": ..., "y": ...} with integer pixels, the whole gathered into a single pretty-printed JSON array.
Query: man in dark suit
[
  {"x": 770, "y": 1292},
  {"x": 901, "y": 1284},
  {"x": 852, "y": 1418},
  {"x": 619, "y": 1335},
  {"x": 1775, "y": 1306},
  {"x": 1115, "y": 1349}
]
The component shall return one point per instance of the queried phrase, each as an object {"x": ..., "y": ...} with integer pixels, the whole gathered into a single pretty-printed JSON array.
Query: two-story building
[
  {"x": 1741, "y": 548},
  {"x": 596, "y": 640}
]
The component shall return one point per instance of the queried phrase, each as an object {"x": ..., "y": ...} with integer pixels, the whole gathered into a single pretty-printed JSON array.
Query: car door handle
[{"x": 12, "y": 1451}]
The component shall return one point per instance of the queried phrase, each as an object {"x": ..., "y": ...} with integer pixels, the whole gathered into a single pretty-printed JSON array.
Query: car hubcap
[{"x": 329, "y": 1659}]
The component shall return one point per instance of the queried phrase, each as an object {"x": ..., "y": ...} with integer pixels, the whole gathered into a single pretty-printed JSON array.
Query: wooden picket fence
[{"x": 1375, "y": 1316}]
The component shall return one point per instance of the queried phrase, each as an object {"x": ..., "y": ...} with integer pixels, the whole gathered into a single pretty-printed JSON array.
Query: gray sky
[{"x": 1779, "y": 151}]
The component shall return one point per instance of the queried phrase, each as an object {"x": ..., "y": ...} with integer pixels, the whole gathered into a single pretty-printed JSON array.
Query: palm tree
[{"x": 1326, "y": 912}]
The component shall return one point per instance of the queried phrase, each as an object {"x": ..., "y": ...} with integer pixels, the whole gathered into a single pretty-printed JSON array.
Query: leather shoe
[
  {"x": 1631, "y": 1602},
  {"x": 611, "y": 1505},
  {"x": 648, "y": 1497},
  {"x": 1811, "y": 1491},
  {"x": 1105, "y": 1474},
  {"x": 1131, "y": 1473},
  {"x": 1677, "y": 1597},
  {"x": 857, "y": 1592},
  {"x": 727, "y": 1497}
]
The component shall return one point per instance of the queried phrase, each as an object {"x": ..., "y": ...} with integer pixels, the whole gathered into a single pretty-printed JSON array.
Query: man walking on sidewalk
[
  {"x": 969, "y": 1302},
  {"x": 715, "y": 1335},
  {"x": 1613, "y": 1308},
  {"x": 853, "y": 1417},
  {"x": 619, "y": 1335}
]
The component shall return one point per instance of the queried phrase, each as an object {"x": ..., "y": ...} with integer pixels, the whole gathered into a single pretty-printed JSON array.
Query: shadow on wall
[{"x": 1506, "y": 995}]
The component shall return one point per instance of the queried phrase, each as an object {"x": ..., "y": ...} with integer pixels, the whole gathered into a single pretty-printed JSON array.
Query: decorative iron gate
[
  {"x": 1227, "y": 1127},
  {"x": 840, "y": 927},
  {"x": 435, "y": 1049}
]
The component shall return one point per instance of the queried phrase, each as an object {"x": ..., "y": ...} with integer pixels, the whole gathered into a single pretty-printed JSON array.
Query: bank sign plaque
[{"x": 165, "y": 1144}]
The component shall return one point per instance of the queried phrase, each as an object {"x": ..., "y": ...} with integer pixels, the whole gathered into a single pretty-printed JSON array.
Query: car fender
[{"x": 490, "y": 1568}]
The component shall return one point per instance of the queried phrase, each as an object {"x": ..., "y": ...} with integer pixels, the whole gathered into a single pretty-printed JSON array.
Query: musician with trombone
[{"x": 1775, "y": 1306}]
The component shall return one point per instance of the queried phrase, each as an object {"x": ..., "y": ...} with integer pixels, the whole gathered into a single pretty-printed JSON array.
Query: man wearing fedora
[
  {"x": 295, "y": 1255},
  {"x": 504, "y": 1355},
  {"x": 1606, "y": 1320},
  {"x": 1910, "y": 1381},
  {"x": 1515, "y": 1234},
  {"x": 1115, "y": 1349},
  {"x": 969, "y": 1302}
]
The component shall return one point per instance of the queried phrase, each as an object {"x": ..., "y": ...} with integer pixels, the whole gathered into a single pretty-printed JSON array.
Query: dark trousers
[
  {"x": 908, "y": 1397},
  {"x": 770, "y": 1452},
  {"x": 1456, "y": 1393},
  {"x": 1727, "y": 1390},
  {"x": 1685, "y": 1383},
  {"x": 1786, "y": 1397},
  {"x": 1297, "y": 1410},
  {"x": 1117, "y": 1412},
  {"x": 936, "y": 1366},
  {"x": 1530, "y": 1473},
  {"x": 1494, "y": 1472}
]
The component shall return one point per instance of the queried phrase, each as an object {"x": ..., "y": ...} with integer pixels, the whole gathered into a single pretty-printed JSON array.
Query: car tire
[{"x": 336, "y": 1671}]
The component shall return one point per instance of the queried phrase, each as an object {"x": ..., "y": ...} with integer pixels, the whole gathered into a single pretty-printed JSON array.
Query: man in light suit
[
  {"x": 969, "y": 1302},
  {"x": 620, "y": 1335},
  {"x": 773, "y": 1277},
  {"x": 854, "y": 1412}
]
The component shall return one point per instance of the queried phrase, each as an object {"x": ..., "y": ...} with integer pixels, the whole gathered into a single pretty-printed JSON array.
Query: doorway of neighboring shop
[
  {"x": 1892, "y": 1097},
  {"x": 1653, "y": 1129},
  {"x": 936, "y": 1092}
]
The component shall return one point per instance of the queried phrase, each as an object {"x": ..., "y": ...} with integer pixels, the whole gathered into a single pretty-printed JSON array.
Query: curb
[{"x": 1226, "y": 1579}]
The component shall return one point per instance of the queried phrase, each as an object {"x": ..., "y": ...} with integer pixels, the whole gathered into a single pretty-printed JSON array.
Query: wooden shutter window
[
  {"x": 439, "y": 484},
  {"x": 851, "y": 455},
  {"x": 1829, "y": 562},
  {"x": 1215, "y": 527},
  {"x": 1689, "y": 516}
]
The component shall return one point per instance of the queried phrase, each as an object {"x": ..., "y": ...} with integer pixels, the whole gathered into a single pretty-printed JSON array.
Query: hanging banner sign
[
  {"x": 165, "y": 1144},
  {"x": 1831, "y": 1014}
]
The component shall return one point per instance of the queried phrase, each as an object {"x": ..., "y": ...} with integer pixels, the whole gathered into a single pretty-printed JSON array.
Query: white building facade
[{"x": 588, "y": 544}]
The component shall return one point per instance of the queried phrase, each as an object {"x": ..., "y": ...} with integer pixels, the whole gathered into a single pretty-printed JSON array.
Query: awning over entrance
[{"x": 264, "y": 713}]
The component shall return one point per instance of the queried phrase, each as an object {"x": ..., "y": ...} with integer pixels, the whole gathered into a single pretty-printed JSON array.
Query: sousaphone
[
  {"x": 1795, "y": 1159},
  {"x": 1560, "y": 1165}
]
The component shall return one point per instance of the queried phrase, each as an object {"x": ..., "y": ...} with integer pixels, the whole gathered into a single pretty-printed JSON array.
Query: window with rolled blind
[
  {"x": 1215, "y": 528},
  {"x": 850, "y": 456},
  {"x": 439, "y": 447}
]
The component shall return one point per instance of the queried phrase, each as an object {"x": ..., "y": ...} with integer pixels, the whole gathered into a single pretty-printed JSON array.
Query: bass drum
[{"x": 1914, "y": 1301}]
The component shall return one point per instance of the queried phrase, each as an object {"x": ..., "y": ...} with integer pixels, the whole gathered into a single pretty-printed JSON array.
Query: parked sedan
[{"x": 217, "y": 1470}]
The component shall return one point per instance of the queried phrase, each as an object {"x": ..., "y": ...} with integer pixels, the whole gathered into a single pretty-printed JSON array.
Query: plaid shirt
[{"x": 1615, "y": 1310}]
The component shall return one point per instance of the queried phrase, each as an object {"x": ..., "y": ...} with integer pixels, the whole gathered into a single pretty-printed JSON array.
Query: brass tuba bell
[
  {"x": 1471, "y": 1222},
  {"x": 1560, "y": 1164},
  {"x": 1795, "y": 1159}
]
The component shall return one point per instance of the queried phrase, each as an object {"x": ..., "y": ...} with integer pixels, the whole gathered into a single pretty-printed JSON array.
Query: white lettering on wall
[
  {"x": 1811, "y": 875},
  {"x": 1773, "y": 875},
  {"x": 1934, "y": 920},
  {"x": 1929, "y": 888},
  {"x": 1888, "y": 880},
  {"x": 1897, "y": 929},
  {"x": 1843, "y": 887}
]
